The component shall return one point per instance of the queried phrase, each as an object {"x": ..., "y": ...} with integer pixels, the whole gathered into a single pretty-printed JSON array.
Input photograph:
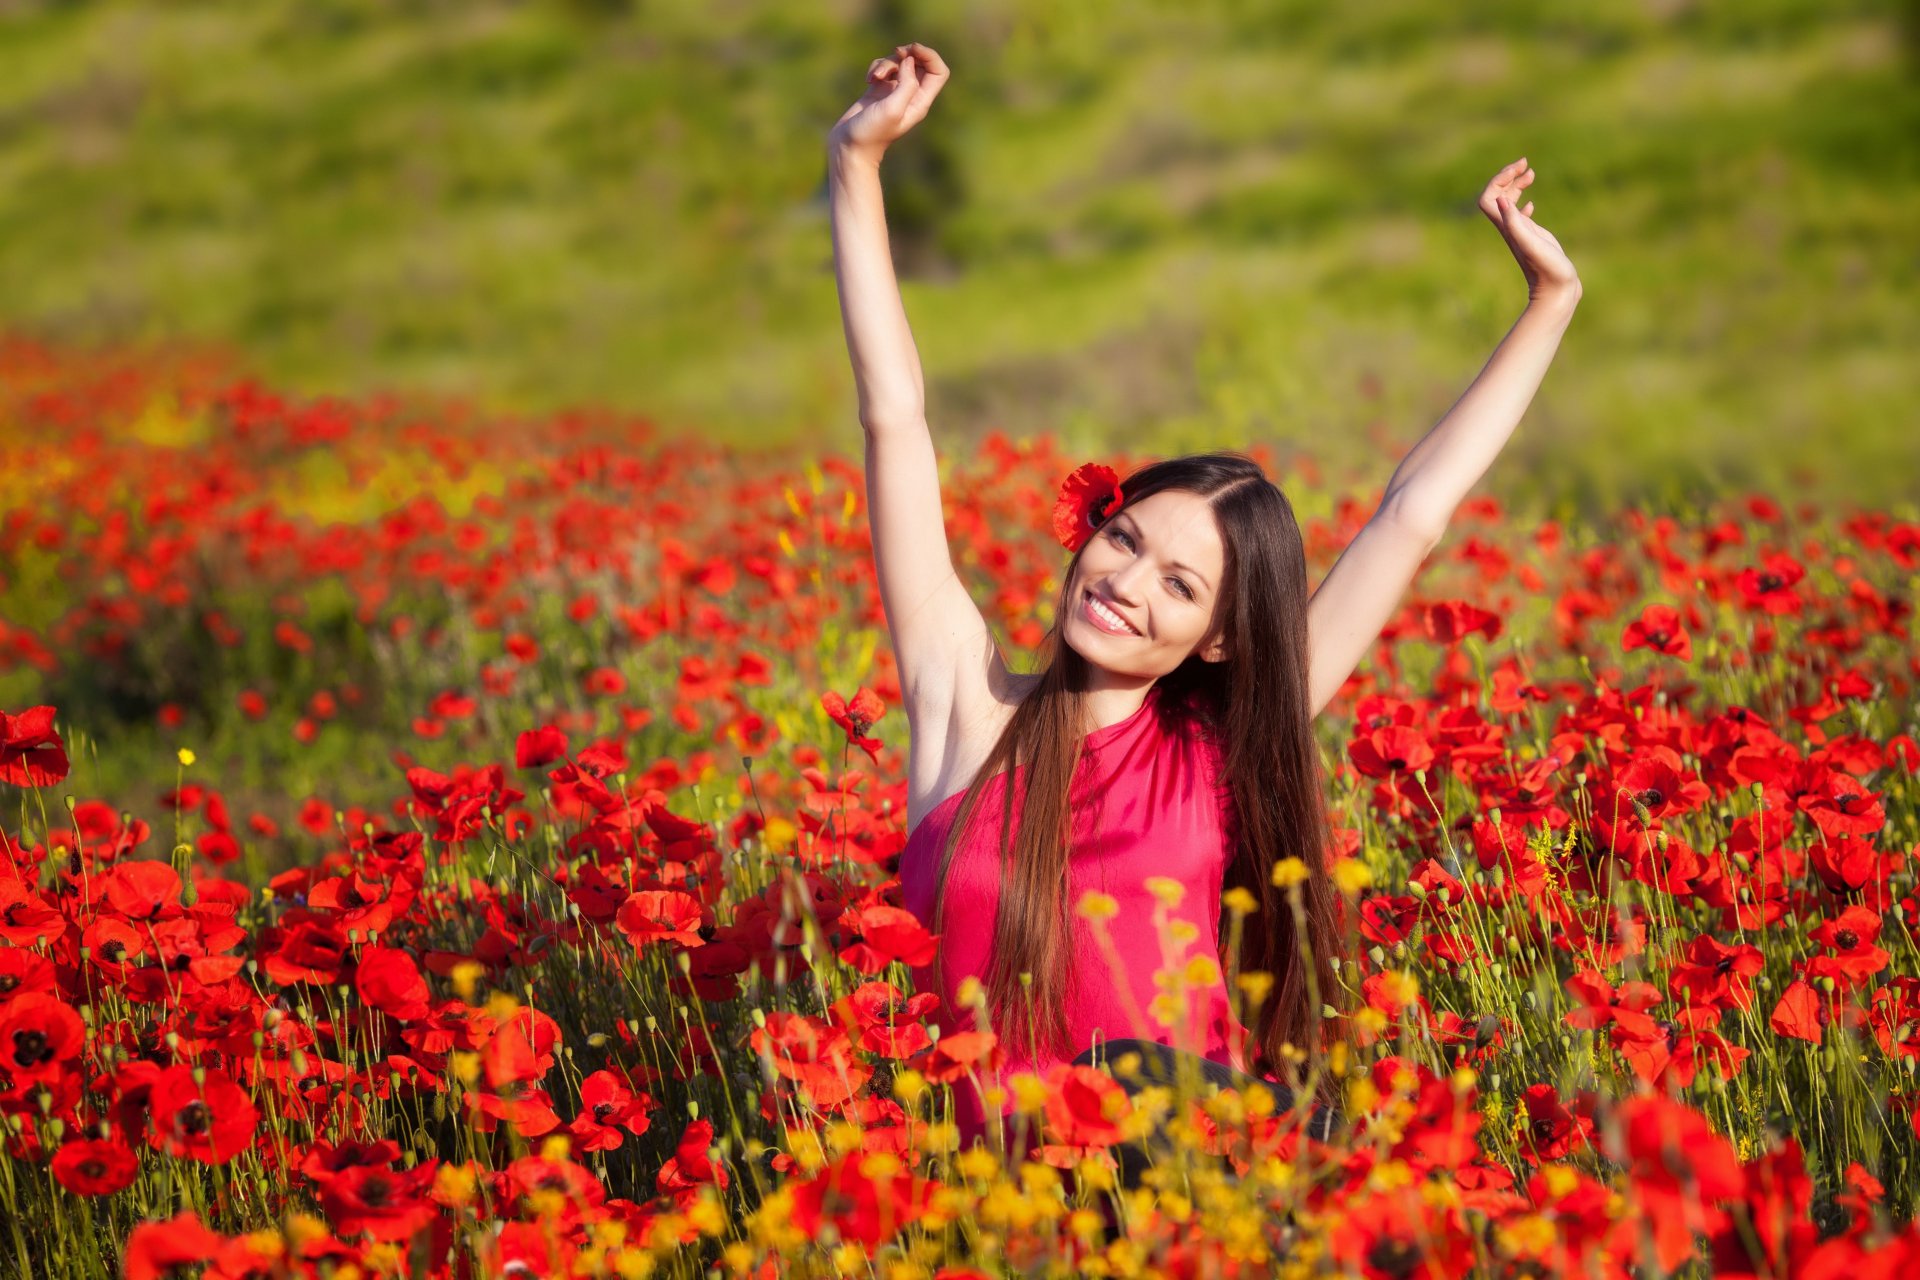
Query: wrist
[
  {"x": 1555, "y": 297},
  {"x": 845, "y": 156}
]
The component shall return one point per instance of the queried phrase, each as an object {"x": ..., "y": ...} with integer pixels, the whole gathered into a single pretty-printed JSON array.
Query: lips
[{"x": 1105, "y": 623}]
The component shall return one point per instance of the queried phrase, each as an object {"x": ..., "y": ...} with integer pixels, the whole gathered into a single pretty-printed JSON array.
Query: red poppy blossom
[
  {"x": 156, "y": 1250},
  {"x": 865, "y": 1197},
  {"x": 388, "y": 979},
  {"x": 386, "y": 1204},
  {"x": 31, "y": 752},
  {"x": 211, "y": 1120},
  {"x": 1395, "y": 750},
  {"x": 1087, "y": 498},
  {"x": 607, "y": 1107},
  {"x": 39, "y": 1035},
  {"x": 888, "y": 934},
  {"x": 1085, "y": 1106},
  {"x": 856, "y": 717},
  {"x": 661, "y": 915},
  {"x": 1658, "y": 628},
  {"x": 95, "y": 1166}
]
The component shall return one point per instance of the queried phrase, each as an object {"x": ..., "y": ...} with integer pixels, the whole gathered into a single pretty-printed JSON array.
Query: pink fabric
[{"x": 1151, "y": 801}]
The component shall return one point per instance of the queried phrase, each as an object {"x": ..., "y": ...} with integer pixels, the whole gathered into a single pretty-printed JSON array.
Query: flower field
[{"x": 437, "y": 845}]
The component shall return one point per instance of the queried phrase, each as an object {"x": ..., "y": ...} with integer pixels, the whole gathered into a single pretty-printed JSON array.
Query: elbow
[{"x": 1413, "y": 520}]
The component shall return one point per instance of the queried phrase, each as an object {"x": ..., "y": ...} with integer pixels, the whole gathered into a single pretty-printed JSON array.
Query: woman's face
[{"x": 1158, "y": 564}]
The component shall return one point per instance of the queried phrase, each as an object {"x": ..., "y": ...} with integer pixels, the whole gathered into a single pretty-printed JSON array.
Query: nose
[{"x": 1124, "y": 583}]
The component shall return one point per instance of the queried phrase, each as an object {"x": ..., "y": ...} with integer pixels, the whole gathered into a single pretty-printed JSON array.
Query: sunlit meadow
[{"x": 440, "y": 845}]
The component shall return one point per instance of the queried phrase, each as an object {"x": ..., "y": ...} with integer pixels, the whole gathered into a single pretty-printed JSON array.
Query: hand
[
  {"x": 899, "y": 91},
  {"x": 1548, "y": 270}
]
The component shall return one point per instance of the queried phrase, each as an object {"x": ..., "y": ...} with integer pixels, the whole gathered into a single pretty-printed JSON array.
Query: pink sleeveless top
[{"x": 1151, "y": 800}]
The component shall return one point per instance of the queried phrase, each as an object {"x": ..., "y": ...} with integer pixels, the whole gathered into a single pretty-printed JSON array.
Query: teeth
[{"x": 1110, "y": 615}]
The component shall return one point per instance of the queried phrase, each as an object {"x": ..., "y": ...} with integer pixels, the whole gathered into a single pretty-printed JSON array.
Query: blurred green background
[{"x": 1168, "y": 225}]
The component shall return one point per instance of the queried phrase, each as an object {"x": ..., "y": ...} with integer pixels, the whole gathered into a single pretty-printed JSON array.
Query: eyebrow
[{"x": 1135, "y": 524}]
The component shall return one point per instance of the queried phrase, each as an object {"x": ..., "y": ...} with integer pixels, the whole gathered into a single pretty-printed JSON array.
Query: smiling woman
[{"x": 1161, "y": 763}]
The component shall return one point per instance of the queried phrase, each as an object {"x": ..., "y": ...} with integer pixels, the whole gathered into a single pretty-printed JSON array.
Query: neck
[{"x": 1111, "y": 699}]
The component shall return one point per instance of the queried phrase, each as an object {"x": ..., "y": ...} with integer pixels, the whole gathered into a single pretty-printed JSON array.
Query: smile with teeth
[{"x": 1101, "y": 613}]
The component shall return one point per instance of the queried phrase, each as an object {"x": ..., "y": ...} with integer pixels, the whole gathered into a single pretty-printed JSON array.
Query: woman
[{"x": 1165, "y": 744}]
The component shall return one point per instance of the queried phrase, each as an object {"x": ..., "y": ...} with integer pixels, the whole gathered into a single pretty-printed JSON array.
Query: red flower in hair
[{"x": 1087, "y": 498}]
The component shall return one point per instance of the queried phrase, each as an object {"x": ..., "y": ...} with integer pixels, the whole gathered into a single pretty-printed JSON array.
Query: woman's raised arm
[
  {"x": 937, "y": 630},
  {"x": 1362, "y": 590}
]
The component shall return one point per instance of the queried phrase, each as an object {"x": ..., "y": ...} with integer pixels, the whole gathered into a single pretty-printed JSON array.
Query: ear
[{"x": 1215, "y": 651}]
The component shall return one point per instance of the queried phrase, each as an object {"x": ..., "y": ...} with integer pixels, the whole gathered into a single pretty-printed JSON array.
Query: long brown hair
[{"x": 1256, "y": 702}]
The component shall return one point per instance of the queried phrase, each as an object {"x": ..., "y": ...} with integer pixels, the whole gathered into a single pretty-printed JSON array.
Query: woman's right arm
[{"x": 937, "y": 631}]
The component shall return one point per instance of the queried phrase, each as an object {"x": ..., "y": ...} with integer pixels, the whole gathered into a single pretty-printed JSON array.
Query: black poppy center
[
  {"x": 1393, "y": 1256},
  {"x": 30, "y": 1048},
  {"x": 1652, "y": 797},
  {"x": 195, "y": 1119}
]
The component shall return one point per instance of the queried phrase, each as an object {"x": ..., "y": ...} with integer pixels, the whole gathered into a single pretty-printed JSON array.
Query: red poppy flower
[
  {"x": 1842, "y": 807},
  {"x": 1449, "y": 621},
  {"x": 386, "y": 1204},
  {"x": 691, "y": 1166},
  {"x": 522, "y": 1049},
  {"x": 960, "y": 1053},
  {"x": 1087, "y": 497},
  {"x": 856, "y": 717},
  {"x": 1851, "y": 939},
  {"x": 25, "y": 917},
  {"x": 661, "y": 915},
  {"x": 1658, "y": 628},
  {"x": 95, "y": 1166},
  {"x": 1085, "y": 1106},
  {"x": 885, "y": 1020},
  {"x": 1680, "y": 1171},
  {"x": 388, "y": 980},
  {"x": 211, "y": 1121},
  {"x": 888, "y": 934},
  {"x": 1801, "y": 1013},
  {"x": 1395, "y": 750},
  {"x": 1554, "y": 1130},
  {"x": 864, "y": 1198},
  {"x": 1770, "y": 587},
  {"x": 607, "y": 1107},
  {"x": 156, "y": 1250},
  {"x": 31, "y": 752},
  {"x": 538, "y": 747},
  {"x": 39, "y": 1035}
]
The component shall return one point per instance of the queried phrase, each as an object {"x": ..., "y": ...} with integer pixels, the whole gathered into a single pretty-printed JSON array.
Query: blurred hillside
[{"x": 1177, "y": 225}]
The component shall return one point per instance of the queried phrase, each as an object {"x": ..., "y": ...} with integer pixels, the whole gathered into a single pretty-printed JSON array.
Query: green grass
[{"x": 1196, "y": 225}]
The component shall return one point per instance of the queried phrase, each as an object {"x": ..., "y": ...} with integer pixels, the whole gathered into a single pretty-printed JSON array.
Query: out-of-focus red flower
[
  {"x": 95, "y": 1166},
  {"x": 1085, "y": 1106},
  {"x": 1658, "y": 628},
  {"x": 31, "y": 751},
  {"x": 156, "y": 1250},
  {"x": 211, "y": 1120},
  {"x": 386, "y": 1204},
  {"x": 864, "y": 1196},
  {"x": 536, "y": 747},
  {"x": 691, "y": 1165},
  {"x": 1680, "y": 1172},
  {"x": 1450, "y": 621},
  {"x": 522, "y": 1049}
]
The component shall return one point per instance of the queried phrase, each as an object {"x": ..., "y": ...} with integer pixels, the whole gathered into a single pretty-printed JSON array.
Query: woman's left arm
[{"x": 1362, "y": 590}]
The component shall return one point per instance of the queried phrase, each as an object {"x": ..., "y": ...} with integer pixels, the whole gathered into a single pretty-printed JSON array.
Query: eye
[
  {"x": 1184, "y": 590},
  {"x": 1119, "y": 533}
]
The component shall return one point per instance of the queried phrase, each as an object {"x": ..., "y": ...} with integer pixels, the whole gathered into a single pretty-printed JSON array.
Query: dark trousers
[{"x": 1164, "y": 1065}]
